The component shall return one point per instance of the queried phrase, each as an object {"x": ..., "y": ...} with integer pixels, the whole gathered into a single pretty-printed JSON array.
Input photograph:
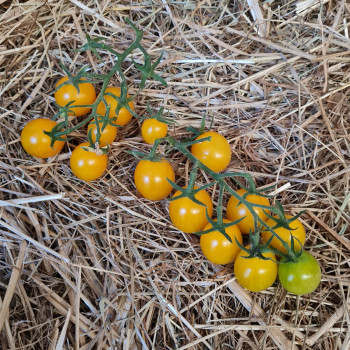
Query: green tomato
[{"x": 301, "y": 277}]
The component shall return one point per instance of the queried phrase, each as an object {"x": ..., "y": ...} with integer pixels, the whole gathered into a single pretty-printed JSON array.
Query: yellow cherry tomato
[
  {"x": 235, "y": 211},
  {"x": 255, "y": 274},
  {"x": 87, "y": 165},
  {"x": 108, "y": 134},
  {"x": 124, "y": 116},
  {"x": 151, "y": 178},
  {"x": 298, "y": 232},
  {"x": 38, "y": 144},
  {"x": 68, "y": 93},
  {"x": 215, "y": 154},
  {"x": 152, "y": 129},
  {"x": 217, "y": 248},
  {"x": 188, "y": 216}
]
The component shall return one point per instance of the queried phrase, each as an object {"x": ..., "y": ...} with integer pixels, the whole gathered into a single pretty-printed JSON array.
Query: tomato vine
[
  {"x": 207, "y": 151},
  {"x": 95, "y": 45}
]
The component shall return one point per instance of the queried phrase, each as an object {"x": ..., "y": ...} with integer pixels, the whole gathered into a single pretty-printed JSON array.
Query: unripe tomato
[
  {"x": 215, "y": 154},
  {"x": 217, "y": 248},
  {"x": 152, "y": 129},
  {"x": 301, "y": 277},
  {"x": 38, "y": 144},
  {"x": 255, "y": 274},
  {"x": 188, "y": 216},
  {"x": 298, "y": 231},
  {"x": 151, "y": 178},
  {"x": 235, "y": 211},
  {"x": 87, "y": 165},
  {"x": 124, "y": 115},
  {"x": 108, "y": 134},
  {"x": 68, "y": 93}
]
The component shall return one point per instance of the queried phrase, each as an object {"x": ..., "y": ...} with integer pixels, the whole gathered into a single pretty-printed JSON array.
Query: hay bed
[{"x": 93, "y": 266}]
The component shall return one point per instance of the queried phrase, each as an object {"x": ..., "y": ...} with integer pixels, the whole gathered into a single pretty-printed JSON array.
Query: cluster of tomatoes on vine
[
  {"x": 275, "y": 240},
  {"x": 86, "y": 163},
  {"x": 191, "y": 210}
]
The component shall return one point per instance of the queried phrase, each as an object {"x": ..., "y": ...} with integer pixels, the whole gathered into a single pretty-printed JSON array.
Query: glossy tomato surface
[
  {"x": 255, "y": 274},
  {"x": 38, "y": 144},
  {"x": 152, "y": 129},
  {"x": 188, "y": 216},
  {"x": 215, "y": 154},
  {"x": 151, "y": 179},
  {"x": 217, "y": 248},
  {"x": 302, "y": 277},
  {"x": 124, "y": 116},
  {"x": 235, "y": 211},
  {"x": 87, "y": 165},
  {"x": 298, "y": 232},
  {"x": 68, "y": 93},
  {"x": 108, "y": 134}
]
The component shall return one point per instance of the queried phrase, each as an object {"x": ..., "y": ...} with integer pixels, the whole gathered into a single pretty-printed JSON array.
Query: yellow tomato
[
  {"x": 38, "y": 144},
  {"x": 215, "y": 154},
  {"x": 235, "y": 211},
  {"x": 188, "y": 216},
  {"x": 124, "y": 116},
  {"x": 255, "y": 274},
  {"x": 217, "y": 248},
  {"x": 151, "y": 179},
  {"x": 152, "y": 129},
  {"x": 68, "y": 93},
  {"x": 298, "y": 232},
  {"x": 87, "y": 165}
]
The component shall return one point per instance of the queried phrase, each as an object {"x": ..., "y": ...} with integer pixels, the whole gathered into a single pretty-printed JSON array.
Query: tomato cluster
[
  {"x": 255, "y": 273},
  {"x": 86, "y": 163},
  {"x": 153, "y": 180},
  {"x": 248, "y": 213}
]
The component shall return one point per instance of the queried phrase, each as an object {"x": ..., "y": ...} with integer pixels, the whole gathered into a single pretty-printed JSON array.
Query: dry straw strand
[{"x": 95, "y": 266}]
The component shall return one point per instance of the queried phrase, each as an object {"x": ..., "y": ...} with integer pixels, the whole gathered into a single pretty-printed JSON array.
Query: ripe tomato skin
[
  {"x": 188, "y": 216},
  {"x": 87, "y": 166},
  {"x": 124, "y": 115},
  {"x": 151, "y": 179},
  {"x": 302, "y": 277},
  {"x": 152, "y": 129},
  {"x": 235, "y": 211},
  {"x": 255, "y": 274},
  {"x": 68, "y": 93},
  {"x": 215, "y": 154},
  {"x": 108, "y": 134},
  {"x": 38, "y": 144},
  {"x": 285, "y": 234},
  {"x": 217, "y": 248}
]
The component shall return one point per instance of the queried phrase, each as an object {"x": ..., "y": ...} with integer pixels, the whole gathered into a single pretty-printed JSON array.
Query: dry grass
[{"x": 93, "y": 266}]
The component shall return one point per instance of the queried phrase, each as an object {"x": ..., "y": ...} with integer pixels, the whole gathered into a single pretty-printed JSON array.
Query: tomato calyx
[
  {"x": 219, "y": 224},
  {"x": 281, "y": 219},
  {"x": 153, "y": 157},
  {"x": 191, "y": 190},
  {"x": 200, "y": 131},
  {"x": 56, "y": 133},
  {"x": 159, "y": 115},
  {"x": 74, "y": 80},
  {"x": 95, "y": 148}
]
